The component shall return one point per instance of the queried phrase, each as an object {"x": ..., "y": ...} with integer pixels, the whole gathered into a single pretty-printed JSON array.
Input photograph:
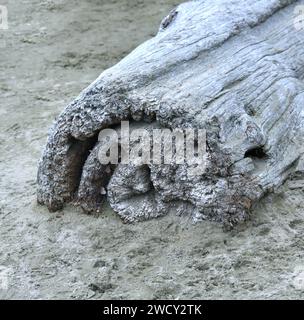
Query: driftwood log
[{"x": 232, "y": 67}]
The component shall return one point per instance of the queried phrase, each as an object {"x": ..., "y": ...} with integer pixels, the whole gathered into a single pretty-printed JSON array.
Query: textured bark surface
[{"x": 234, "y": 68}]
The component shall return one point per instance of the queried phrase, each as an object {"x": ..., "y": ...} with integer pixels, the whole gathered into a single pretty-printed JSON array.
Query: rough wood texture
[{"x": 235, "y": 68}]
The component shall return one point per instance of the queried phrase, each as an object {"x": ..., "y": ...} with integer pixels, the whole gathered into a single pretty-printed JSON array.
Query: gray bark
[{"x": 234, "y": 68}]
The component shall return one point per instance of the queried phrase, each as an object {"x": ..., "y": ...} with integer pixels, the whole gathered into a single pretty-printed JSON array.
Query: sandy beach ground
[{"x": 51, "y": 51}]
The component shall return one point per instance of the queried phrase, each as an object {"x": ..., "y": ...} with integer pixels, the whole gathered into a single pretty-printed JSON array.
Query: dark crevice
[
  {"x": 77, "y": 154},
  {"x": 257, "y": 152}
]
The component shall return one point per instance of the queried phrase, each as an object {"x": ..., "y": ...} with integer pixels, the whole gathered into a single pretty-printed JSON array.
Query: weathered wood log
[{"x": 234, "y": 68}]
